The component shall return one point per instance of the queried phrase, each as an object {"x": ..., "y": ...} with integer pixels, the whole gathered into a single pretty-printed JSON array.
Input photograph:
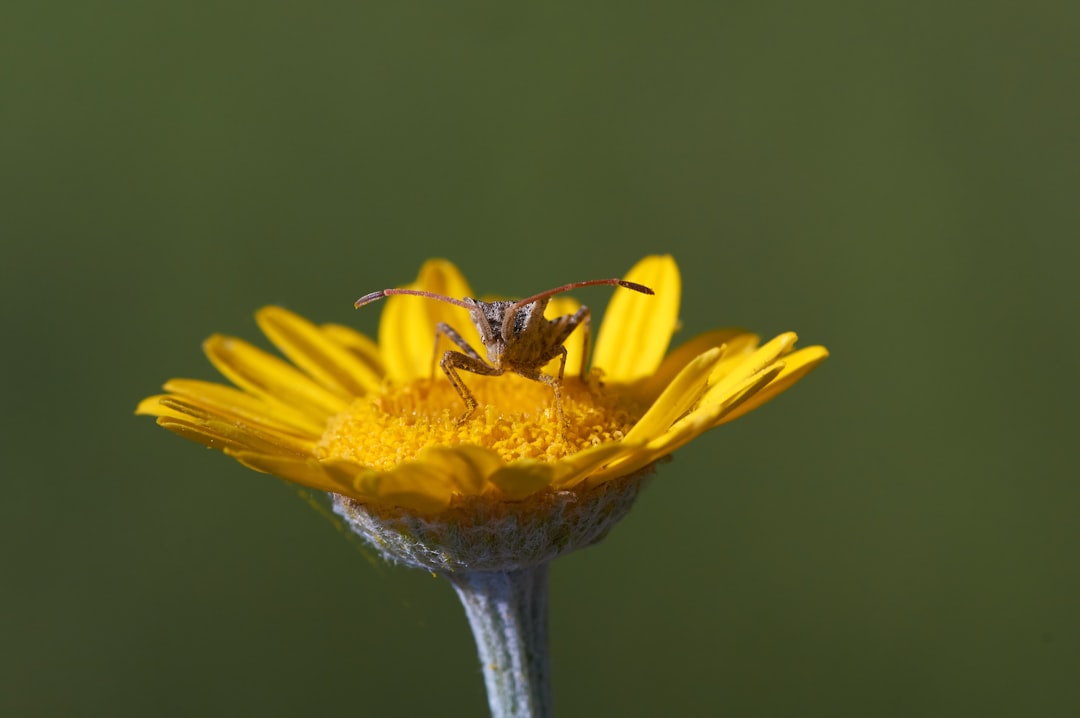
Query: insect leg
[
  {"x": 556, "y": 384},
  {"x": 569, "y": 323},
  {"x": 451, "y": 362},
  {"x": 583, "y": 316},
  {"x": 442, "y": 329}
]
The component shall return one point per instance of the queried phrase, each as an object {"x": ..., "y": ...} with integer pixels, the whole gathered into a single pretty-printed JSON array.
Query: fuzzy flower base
[{"x": 476, "y": 535}]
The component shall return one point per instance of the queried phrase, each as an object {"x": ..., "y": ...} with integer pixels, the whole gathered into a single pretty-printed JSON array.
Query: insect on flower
[{"x": 516, "y": 335}]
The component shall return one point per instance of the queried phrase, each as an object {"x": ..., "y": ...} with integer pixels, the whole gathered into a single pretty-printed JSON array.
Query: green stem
[{"x": 507, "y": 611}]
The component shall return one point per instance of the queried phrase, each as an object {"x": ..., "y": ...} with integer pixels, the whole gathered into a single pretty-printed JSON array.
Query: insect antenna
[
  {"x": 375, "y": 296},
  {"x": 513, "y": 310}
]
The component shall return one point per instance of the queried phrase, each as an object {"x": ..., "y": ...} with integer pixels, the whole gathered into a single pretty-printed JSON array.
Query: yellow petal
[
  {"x": 218, "y": 435},
  {"x": 268, "y": 377},
  {"x": 417, "y": 486},
  {"x": 333, "y": 366},
  {"x": 707, "y": 414},
  {"x": 523, "y": 478},
  {"x": 642, "y": 456},
  {"x": 235, "y": 405},
  {"x": 571, "y": 471},
  {"x": 407, "y": 327},
  {"x": 468, "y": 467},
  {"x": 305, "y": 471},
  {"x": 637, "y": 328},
  {"x": 237, "y": 432},
  {"x": 734, "y": 342},
  {"x": 796, "y": 365},
  {"x": 676, "y": 400},
  {"x": 618, "y": 469},
  {"x": 152, "y": 406},
  {"x": 362, "y": 346},
  {"x": 728, "y": 376},
  {"x": 199, "y": 434},
  {"x": 683, "y": 431}
]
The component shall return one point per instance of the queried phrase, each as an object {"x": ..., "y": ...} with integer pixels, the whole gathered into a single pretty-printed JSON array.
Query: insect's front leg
[
  {"x": 452, "y": 361},
  {"x": 442, "y": 329},
  {"x": 556, "y": 384}
]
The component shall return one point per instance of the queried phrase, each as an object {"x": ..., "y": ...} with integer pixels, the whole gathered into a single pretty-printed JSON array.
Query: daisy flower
[{"x": 531, "y": 474}]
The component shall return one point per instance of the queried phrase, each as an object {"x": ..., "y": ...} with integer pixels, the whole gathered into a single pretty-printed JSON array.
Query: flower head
[{"x": 377, "y": 425}]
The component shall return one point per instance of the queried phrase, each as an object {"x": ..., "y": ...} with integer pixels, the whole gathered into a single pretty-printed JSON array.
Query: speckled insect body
[{"x": 531, "y": 339}]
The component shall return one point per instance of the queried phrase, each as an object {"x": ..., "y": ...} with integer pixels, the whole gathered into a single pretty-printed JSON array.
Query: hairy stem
[{"x": 507, "y": 611}]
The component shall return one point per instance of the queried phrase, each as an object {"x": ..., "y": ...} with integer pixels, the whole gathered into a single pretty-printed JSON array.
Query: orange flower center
[{"x": 516, "y": 418}]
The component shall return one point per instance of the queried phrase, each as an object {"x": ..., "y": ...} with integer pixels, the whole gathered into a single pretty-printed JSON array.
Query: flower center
[{"x": 516, "y": 418}]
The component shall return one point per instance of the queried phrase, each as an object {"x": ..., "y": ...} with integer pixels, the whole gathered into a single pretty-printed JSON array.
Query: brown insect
[{"x": 515, "y": 334}]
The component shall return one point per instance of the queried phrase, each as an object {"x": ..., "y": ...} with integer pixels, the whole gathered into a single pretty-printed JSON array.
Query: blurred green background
[{"x": 897, "y": 536}]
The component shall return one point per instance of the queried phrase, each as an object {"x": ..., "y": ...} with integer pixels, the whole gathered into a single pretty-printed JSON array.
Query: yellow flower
[{"x": 377, "y": 425}]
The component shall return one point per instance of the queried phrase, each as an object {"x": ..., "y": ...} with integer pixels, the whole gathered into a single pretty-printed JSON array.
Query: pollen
[{"x": 516, "y": 418}]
